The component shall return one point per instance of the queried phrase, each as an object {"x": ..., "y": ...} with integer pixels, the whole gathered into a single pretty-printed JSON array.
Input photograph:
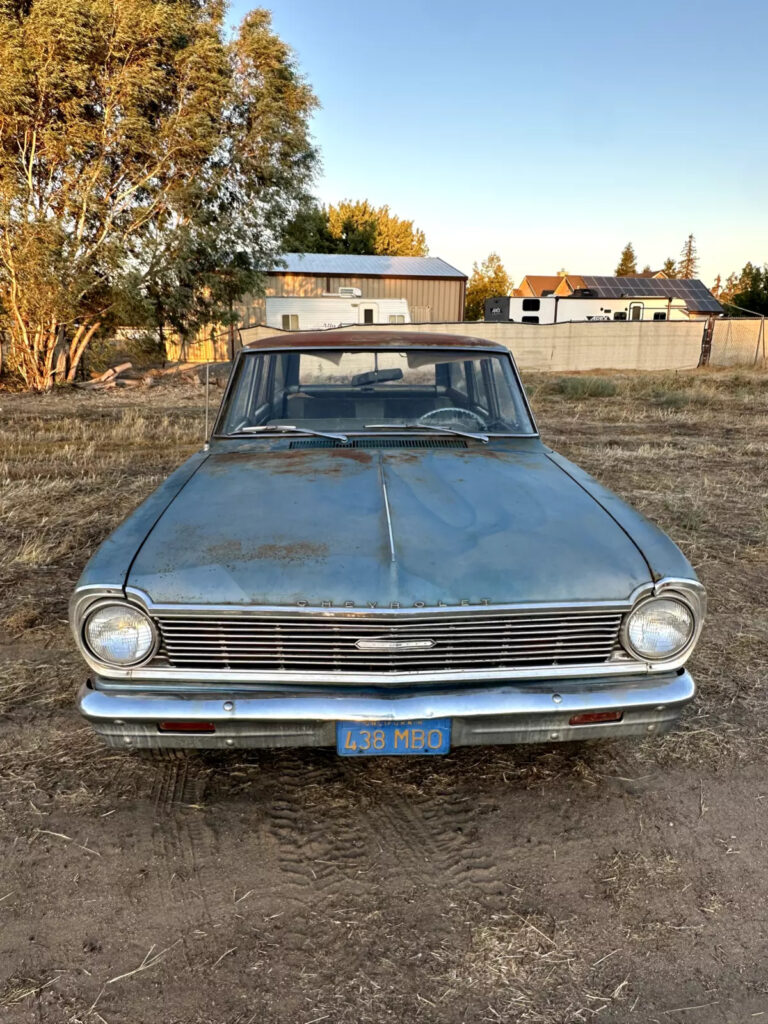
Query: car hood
[{"x": 391, "y": 527}]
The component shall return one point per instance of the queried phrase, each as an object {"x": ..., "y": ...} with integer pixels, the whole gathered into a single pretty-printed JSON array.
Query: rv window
[
  {"x": 290, "y": 321},
  {"x": 529, "y": 319},
  {"x": 396, "y": 318},
  {"x": 620, "y": 315},
  {"x": 659, "y": 316},
  {"x": 368, "y": 316},
  {"x": 531, "y": 305}
]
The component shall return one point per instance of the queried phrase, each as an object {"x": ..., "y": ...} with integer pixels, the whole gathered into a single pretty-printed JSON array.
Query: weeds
[{"x": 586, "y": 387}]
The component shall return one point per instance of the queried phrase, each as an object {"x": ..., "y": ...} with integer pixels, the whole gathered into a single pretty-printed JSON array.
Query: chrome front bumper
[{"x": 521, "y": 713}]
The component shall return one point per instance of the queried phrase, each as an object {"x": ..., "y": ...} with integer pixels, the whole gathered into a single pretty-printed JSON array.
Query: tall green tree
[
  {"x": 669, "y": 267},
  {"x": 142, "y": 158},
  {"x": 747, "y": 290},
  {"x": 627, "y": 266},
  {"x": 308, "y": 231},
  {"x": 688, "y": 264},
  {"x": 489, "y": 280},
  {"x": 353, "y": 226}
]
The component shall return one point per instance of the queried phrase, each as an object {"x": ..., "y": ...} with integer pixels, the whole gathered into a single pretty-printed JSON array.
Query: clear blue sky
[{"x": 551, "y": 132}]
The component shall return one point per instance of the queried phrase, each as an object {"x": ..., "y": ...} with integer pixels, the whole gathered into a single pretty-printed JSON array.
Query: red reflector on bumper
[
  {"x": 593, "y": 717},
  {"x": 186, "y": 727}
]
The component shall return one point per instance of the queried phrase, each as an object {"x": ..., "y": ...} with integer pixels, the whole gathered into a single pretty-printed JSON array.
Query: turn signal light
[
  {"x": 186, "y": 727},
  {"x": 593, "y": 717}
]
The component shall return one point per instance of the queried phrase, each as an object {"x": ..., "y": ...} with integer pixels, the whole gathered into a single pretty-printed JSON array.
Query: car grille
[{"x": 438, "y": 643}]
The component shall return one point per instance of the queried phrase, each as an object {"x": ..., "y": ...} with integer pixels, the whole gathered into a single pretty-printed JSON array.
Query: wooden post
[
  {"x": 760, "y": 342},
  {"x": 706, "y": 341}
]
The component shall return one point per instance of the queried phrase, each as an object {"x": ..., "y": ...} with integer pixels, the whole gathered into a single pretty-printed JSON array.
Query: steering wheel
[{"x": 450, "y": 412}]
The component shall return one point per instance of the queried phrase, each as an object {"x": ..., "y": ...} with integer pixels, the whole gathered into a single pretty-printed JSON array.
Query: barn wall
[{"x": 439, "y": 300}]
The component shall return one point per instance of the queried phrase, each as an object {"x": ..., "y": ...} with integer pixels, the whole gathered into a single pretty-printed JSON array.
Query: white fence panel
[{"x": 645, "y": 345}]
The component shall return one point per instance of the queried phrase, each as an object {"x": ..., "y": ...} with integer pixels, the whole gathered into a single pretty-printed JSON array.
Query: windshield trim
[{"x": 491, "y": 348}]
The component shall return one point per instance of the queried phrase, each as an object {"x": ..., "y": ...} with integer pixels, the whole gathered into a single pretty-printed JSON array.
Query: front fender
[{"x": 107, "y": 569}]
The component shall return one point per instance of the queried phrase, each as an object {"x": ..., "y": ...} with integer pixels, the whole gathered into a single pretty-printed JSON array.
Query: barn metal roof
[
  {"x": 695, "y": 294},
  {"x": 349, "y": 265}
]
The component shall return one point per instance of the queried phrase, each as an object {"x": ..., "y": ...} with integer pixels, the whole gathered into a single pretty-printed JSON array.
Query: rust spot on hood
[
  {"x": 228, "y": 551},
  {"x": 299, "y": 461},
  {"x": 299, "y": 551}
]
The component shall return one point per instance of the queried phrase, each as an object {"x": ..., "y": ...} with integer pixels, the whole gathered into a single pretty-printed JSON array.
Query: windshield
[{"x": 362, "y": 391}]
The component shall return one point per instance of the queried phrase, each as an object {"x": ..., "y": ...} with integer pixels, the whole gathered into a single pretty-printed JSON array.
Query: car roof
[{"x": 372, "y": 339}]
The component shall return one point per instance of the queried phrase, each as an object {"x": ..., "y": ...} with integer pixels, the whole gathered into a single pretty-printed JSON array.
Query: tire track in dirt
[
  {"x": 182, "y": 849},
  {"x": 324, "y": 860},
  {"x": 315, "y": 822},
  {"x": 433, "y": 836},
  {"x": 348, "y": 850},
  {"x": 185, "y": 845}
]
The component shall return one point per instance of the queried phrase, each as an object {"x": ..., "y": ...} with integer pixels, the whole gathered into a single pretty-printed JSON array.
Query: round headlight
[
  {"x": 119, "y": 634},
  {"x": 659, "y": 628}
]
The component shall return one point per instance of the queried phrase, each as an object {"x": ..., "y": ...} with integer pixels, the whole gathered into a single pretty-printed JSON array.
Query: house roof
[
  {"x": 540, "y": 283},
  {"x": 571, "y": 281},
  {"x": 346, "y": 264},
  {"x": 695, "y": 294}
]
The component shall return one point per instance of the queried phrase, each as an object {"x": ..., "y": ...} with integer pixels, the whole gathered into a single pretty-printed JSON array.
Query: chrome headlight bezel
[
  {"x": 123, "y": 606},
  {"x": 666, "y": 595}
]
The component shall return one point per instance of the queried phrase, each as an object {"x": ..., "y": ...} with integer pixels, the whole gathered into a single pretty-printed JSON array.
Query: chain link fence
[{"x": 738, "y": 342}]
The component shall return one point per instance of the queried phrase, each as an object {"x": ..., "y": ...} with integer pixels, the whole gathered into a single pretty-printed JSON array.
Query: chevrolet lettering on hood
[
  {"x": 376, "y": 551},
  {"x": 463, "y": 603}
]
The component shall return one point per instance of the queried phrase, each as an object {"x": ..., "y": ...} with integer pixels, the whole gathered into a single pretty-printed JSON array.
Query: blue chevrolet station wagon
[{"x": 375, "y": 551}]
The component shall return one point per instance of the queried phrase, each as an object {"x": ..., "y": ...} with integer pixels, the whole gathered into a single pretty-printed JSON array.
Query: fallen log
[
  {"x": 109, "y": 375},
  {"x": 177, "y": 368}
]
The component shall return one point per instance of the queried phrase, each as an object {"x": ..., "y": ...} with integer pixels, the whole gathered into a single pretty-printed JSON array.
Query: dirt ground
[{"x": 623, "y": 881}]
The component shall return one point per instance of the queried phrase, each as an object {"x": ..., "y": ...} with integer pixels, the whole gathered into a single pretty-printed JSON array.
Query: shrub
[
  {"x": 586, "y": 387},
  {"x": 670, "y": 399}
]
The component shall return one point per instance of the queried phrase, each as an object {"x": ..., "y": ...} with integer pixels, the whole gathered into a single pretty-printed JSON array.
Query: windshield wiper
[
  {"x": 427, "y": 426},
  {"x": 289, "y": 428}
]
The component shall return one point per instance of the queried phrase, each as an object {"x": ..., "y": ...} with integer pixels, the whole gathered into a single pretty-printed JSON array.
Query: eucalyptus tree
[{"x": 142, "y": 157}]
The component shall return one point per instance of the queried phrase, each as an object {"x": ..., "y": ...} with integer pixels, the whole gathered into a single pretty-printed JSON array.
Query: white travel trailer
[
  {"x": 554, "y": 309},
  {"x": 317, "y": 313}
]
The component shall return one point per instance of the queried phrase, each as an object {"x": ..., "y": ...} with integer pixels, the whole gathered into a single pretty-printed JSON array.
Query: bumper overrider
[{"x": 531, "y": 712}]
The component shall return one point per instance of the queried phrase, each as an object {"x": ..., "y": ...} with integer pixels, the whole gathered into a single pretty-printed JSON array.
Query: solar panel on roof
[{"x": 695, "y": 293}]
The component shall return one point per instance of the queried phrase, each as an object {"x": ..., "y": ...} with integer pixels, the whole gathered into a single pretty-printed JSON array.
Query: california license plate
[{"x": 366, "y": 739}]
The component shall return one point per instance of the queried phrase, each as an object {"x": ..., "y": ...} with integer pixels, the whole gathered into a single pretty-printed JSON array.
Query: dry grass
[
  {"x": 72, "y": 466},
  {"x": 531, "y": 970},
  {"x": 698, "y": 468}
]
